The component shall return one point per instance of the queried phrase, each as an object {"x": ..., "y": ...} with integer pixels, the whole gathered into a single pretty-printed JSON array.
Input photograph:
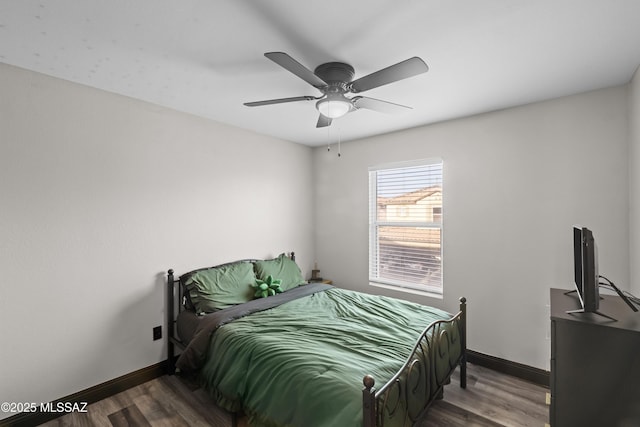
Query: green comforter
[{"x": 302, "y": 363}]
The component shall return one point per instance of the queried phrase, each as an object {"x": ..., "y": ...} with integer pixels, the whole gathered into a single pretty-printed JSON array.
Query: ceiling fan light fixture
[
  {"x": 334, "y": 107},
  {"x": 335, "y": 80}
]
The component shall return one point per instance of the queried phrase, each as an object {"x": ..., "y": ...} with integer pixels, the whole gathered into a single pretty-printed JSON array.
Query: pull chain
[
  {"x": 339, "y": 142},
  {"x": 329, "y": 139}
]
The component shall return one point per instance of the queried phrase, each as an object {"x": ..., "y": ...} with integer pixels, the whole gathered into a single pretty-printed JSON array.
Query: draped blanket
[{"x": 298, "y": 358}]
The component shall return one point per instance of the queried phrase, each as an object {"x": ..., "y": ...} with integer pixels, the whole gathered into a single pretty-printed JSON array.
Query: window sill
[{"x": 408, "y": 290}]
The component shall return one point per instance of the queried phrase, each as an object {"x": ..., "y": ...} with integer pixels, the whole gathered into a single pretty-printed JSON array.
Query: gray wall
[
  {"x": 100, "y": 195},
  {"x": 515, "y": 181}
]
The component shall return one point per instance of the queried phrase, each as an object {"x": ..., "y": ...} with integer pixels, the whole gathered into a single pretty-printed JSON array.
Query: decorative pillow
[
  {"x": 281, "y": 267},
  {"x": 221, "y": 287},
  {"x": 265, "y": 288}
]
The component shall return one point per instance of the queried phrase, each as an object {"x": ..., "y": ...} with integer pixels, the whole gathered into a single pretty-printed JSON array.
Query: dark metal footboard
[{"x": 405, "y": 398}]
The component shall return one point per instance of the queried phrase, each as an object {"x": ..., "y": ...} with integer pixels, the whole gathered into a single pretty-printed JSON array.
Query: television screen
[
  {"x": 585, "y": 266},
  {"x": 586, "y": 275},
  {"x": 590, "y": 277},
  {"x": 577, "y": 261}
]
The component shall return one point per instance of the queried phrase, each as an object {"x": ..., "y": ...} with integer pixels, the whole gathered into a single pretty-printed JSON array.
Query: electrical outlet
[{"x": 157, "y": 333}]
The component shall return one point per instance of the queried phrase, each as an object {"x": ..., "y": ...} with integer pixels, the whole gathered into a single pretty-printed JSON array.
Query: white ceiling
[{"x": 205, "y": 57}]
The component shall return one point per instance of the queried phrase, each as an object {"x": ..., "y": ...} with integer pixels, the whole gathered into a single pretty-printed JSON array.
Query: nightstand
[{"x": 325, "y": 281}]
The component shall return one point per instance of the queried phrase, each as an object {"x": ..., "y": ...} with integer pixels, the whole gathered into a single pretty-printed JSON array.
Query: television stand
[
  {"x": 594, "y": 312},
  {"x": 574, "y": 291},
  {"x": 595, "y": 368}
]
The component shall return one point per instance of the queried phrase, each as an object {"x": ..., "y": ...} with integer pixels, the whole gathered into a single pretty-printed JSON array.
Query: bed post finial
[
  {"x": 293, "y": 256},
  {"x": 369, "y": 401},
  {"x": 368, "y": 381}
]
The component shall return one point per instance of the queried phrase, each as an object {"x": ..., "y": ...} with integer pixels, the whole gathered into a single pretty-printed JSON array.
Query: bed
[{"x": 309, "y": 354}]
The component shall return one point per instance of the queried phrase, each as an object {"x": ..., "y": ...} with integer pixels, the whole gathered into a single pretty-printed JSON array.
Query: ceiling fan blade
[
  {"x": 401, "y": 70},
  {"x": 378, "y": 105},
  {"x": 279, "y": 101},
  {"x": 323, "y": 121},
  {"x": 293, "y": 66}
]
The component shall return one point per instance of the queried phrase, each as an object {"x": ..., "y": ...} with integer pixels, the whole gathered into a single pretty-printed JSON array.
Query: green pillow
[
  {"x": 282, "y": 268},
  {"x": 221, "y": 287}
]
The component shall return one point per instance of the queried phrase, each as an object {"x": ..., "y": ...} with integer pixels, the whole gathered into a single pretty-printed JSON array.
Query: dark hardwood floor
[{"x": 491, "y": 399}]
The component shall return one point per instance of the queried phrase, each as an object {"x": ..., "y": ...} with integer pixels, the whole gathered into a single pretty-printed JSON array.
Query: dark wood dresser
[{"x": 595, "y": 364}]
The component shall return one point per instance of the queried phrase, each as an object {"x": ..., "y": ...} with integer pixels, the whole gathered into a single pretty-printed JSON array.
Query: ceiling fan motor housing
[{"x": 335, "y": 72}]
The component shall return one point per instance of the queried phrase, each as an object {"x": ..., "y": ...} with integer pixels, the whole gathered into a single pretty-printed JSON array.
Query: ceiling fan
[{"x": 334, "y": 80}]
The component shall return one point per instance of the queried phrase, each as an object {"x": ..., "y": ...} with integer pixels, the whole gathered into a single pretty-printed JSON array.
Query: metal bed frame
[{"x": 407, "y": 396}]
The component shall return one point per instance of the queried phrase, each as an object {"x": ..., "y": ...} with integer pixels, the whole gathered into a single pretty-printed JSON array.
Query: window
[{"x": 405, "y": 225}]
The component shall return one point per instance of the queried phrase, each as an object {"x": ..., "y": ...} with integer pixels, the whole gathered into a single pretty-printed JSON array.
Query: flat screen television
[
  {"x": 577, "y": 261},
  {"x": 585, "y": 265},
  {"x": 586, "y": 276}
]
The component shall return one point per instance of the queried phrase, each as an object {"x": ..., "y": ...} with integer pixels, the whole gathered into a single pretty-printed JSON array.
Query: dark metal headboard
[{"x": 182, "y": 303}]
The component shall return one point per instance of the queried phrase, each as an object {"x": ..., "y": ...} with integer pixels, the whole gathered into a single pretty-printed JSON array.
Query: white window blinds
[{"x": 405, "y": 225}]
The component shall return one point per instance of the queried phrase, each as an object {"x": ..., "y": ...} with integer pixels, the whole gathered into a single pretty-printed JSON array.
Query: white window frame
[{"x": 375, "y": 279}]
